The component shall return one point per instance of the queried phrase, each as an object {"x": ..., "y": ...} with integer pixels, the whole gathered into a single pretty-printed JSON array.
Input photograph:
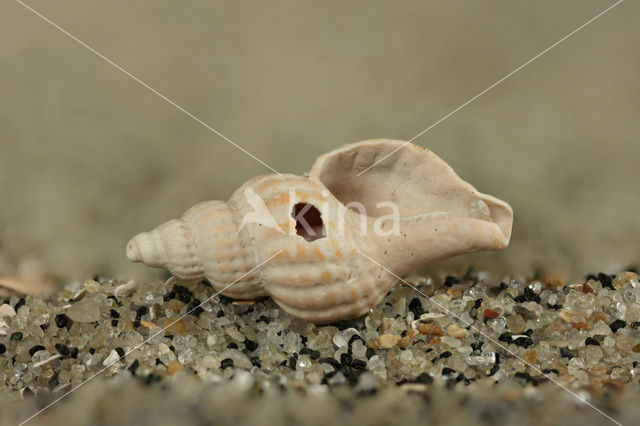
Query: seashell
[
  {"x": 15, "y": 285},
  {"x": 326, "y": 239}
]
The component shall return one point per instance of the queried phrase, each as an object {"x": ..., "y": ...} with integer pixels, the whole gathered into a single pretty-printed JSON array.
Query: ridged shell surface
[
  {"x": 318, "y": 280},
  {"x": 226, "y": 257}
]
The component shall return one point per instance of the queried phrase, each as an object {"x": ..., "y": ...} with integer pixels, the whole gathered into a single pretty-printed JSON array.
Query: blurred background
[{"x": 89, "y": 157}]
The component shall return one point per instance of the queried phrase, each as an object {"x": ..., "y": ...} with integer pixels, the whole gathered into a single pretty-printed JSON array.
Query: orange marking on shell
[
  {"x": 291, "y": 301},
  {"x": 302, "y": 197},
  {"x": 336, "y": 244},
  {"x": 301, "y": 255},
  {"x": 354, "y": 295},
  {"x": 284, "y": 254},
  {"x": 224, "y": 267},
  {"x": 286, "y": 226},
  {"x": 311, "y": 198},
  {"x": 269, "y": 183},
  {"x": 307, "y": 303},
  {"x": 318, "y": 253},
  {"x": 332, "y": 298},
  {"x": 302, "y": 280},
  {"x": 296, "y": 281},
  {"x": 326, "y": 276},
  {"x": 278, "y": 200}
]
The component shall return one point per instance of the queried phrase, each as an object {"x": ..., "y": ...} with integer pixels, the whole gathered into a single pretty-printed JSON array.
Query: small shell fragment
[
  {"x": 7, "y": 310},
  {"x": 113, "y": 357},
  {"x": 14, "y": 284},
  {"x": 125, "y": 289},
  {"x": 45, "y": 361}
]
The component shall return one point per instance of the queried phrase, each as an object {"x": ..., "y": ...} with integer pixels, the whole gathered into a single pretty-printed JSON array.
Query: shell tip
[{"x": 133, "y": 252}]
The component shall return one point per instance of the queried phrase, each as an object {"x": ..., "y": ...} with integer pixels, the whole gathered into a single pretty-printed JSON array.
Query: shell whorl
[
  {"x": 318, "y": 280},
  {"x": 228, "y": 256},
  {"x": 170, "y": 246}
]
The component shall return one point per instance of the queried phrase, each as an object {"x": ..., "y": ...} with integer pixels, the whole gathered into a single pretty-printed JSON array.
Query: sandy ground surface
[
  {"x": 469, "y": 351},
  {"x": 89, "y": 157}
]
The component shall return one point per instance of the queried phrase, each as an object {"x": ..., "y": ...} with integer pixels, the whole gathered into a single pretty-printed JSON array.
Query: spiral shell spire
[{"x": 170, "y": 246}]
